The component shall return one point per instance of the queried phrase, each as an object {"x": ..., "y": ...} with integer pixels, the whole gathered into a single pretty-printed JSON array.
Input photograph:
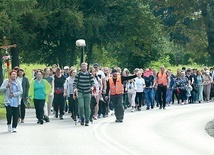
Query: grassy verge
[{"x": 2, "y": 113}]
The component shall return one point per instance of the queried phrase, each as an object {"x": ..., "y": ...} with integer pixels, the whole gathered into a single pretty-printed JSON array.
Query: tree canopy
[{"x": 125, "y": 33}]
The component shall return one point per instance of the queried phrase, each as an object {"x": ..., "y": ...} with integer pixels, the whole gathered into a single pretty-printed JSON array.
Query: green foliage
[
  {"x": 124, "y": 33},
  {"x": 2, "y": 113},
  {"x": 162, "y": 61}
]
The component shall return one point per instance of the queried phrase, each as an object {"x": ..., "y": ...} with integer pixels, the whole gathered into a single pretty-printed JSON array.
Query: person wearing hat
[
  {"x": 116, "y": 90},
  {"x": 66, "y": 72}
]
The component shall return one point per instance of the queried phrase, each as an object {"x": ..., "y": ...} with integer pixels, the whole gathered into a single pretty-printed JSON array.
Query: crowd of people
[{"x": 91, "y": 93}]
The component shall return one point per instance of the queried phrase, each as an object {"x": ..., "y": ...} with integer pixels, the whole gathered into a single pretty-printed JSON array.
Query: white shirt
[
  {"x": 139, "y": 83},
  {"x": 20, "y": 79},
  {"x": 97, "y": 84},
  {"x": 101, "y": 74}
]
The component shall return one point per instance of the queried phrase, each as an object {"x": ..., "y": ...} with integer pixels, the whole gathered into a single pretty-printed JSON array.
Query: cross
[{"x": 6, "y": 47}]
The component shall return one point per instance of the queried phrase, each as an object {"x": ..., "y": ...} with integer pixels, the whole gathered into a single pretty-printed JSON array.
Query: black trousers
[
  {"x": 138, "y": 98},
  {"x": 39, "y": 107},
  {"x": 183, "y": 95},
  {"x": 22, "y": 110},
  {"x": 103, "y": 107},
  {"x": 58, "y": 103},
  {"x": 162, "y": 96},
  {"x": 117, "y": 101},
  {"x": 92, "y": 107},
  {"x": 73, "y": 108},
  {"x": 12, "y": 112},
  {"x": 175, "y": 93}
]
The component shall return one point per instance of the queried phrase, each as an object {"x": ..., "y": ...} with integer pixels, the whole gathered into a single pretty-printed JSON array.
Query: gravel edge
[{"x": 210, "y": 128}]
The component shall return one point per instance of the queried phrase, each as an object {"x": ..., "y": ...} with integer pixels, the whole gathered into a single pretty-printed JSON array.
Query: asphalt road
[{"x": 176, "y": 130}]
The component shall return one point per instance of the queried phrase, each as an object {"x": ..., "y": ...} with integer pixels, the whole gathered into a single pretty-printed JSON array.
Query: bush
[{"x": 163, "y": 61}]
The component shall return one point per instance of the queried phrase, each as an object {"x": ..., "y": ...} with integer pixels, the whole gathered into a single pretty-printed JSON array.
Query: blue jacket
[{"x": 16, "y": 89}]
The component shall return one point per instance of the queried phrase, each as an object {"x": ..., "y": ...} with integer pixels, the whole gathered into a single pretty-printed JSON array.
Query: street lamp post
[{"x": 81, "y": 43}]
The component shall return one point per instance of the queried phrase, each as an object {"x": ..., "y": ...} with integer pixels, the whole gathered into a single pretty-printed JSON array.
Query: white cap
[{"x": 66, "y": 67}]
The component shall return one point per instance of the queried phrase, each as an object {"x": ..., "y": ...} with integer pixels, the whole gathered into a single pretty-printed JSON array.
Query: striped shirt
[{"x": 83, "y": 82}]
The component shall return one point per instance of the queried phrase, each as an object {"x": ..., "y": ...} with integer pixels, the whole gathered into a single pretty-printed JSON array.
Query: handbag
[{"x": 58, "y": 91}]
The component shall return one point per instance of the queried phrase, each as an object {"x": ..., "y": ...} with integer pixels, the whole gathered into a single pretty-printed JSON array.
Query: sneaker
[
  {"x": 86, "y": 124},
  {"x": 121, "y": 121},
  {"x": 61, "y": 117},
  {"x": 147, "y": 108},
  {"x": 22, "y": 120},
  {"x": 9, "y": 128},
  {"x": 117, "y": 120},
  {"x": 139, "y": 108},
  {"x": 14, "y": 130},
  {"x": 95, "y": 117},
  {"x": 99, "y": 116},
  {"x": 46, "y": 119},
  {"x": 41, "y": 122}
]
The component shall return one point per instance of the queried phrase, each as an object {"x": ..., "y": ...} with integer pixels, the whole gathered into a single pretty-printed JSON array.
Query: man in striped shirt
[{"x": 83, "y": 85}]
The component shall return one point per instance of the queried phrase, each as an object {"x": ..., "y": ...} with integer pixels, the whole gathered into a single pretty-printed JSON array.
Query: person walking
[
  {"x": 162, "y": 84},
  {"x": 131, "y": 88},
  {"x": 183, "y": 82},
  {"x": 83, "y": 85},
  {"x": 59, "y": 101},
  {"x": 12, "y": 90},
  {"x": 69, "y": 92},
  {"x": 169, "y": 90},
  {"x": 102, "y": 105},
  {"x": 140, "y": 82},
  {"x": 148, "y": 90},
  {"x": 25, "y": 87},
  {"x": 38, "y": 92},
  {"x": 97, "y": 92},
  {"x": 115, "y": 87},
  {"x": 200, "y": 86},
  {"x": 207, "y": 85},
  {"x": 48, "y": 105}
]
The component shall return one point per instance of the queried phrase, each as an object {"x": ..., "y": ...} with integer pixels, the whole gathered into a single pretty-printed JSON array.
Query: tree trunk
[
  {"x": 90, "y": 52},
  {"x": 208, "y": 17},
  {"x": 15, "y": 57},
  {"x": 1, "y": 71}
]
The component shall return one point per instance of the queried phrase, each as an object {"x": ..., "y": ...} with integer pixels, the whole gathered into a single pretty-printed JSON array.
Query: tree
[{"x": 192, "y": 19}]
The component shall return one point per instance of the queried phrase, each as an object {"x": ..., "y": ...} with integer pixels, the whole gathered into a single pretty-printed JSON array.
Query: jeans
[
  {"x": 84, "y": 100},
  {"x": 117, "y": 101},
  {"x": 149, "y": 95},
  {"x": 12, "y": 112},
  {"x": 168, "y": 95},
  {"x": 39, "y": 107}
]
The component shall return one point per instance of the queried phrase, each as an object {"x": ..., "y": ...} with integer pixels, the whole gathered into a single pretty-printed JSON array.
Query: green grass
[
  {"x": 2, "y": 113},
  {"x": 29, "y": 69},
  {"x": 29, "y": 74}
]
